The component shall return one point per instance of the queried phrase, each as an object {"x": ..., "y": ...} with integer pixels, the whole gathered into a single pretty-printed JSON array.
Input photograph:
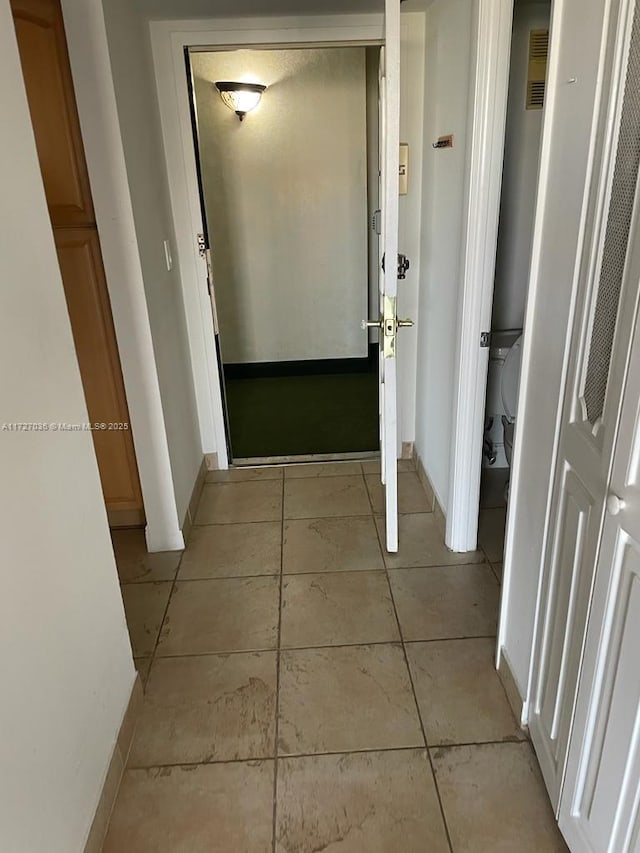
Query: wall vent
[{"x": 537, "y": 71}]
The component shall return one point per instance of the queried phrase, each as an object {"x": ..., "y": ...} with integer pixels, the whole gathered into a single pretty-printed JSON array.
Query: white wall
[
  {"x": 286, "y": 199},
  {"x": 131, "y": 65},
  {"x": 67, "y": 670},
  {"x": 412, "y": 83},
  {"x": 565, "y": 165},
  {"x": 446, "y": 93},
  {"x": 95, "y": 97},
  {"x": 520, "y": 176}
]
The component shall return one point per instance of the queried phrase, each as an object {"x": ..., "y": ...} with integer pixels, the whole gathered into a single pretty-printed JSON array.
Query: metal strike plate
[{"x": 389, "y": 319}]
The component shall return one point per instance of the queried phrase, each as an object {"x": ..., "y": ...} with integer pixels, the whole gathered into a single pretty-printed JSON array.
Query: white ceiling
[{"x": 161, "y": 9}]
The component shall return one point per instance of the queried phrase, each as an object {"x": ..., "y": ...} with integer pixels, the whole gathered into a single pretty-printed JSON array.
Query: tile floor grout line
[
  {"x": 304, "y": 517},
  {"x": 273, "y": 574},
  {"x": 164, "y": 616},
  {"x": 294, "y": 756},
  {"x": 277, "y": 708},
  {"x": 363, "y": 751},
  {"x": 272, "y": 649},
  {"x": 314, "y": 572},
  {"x": 417, "y": 704}
]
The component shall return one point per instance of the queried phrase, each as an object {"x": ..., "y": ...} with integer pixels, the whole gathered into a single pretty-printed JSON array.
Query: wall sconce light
[{"x": 241, "y": 97}]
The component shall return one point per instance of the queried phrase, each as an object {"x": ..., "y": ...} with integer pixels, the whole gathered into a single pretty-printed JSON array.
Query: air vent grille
[
  {"x": 535, "y": 94},
  {"x": 537, "y": 70}
]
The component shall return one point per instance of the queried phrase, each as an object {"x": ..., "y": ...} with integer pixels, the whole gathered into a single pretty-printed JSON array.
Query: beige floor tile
[
  {"x": 318, "y": 497},
  {"x": 494, "y": 800},
  {"x": 491, "y": 525},
  {"x": 459, "y": 693},
  {"x": 497, "y": 570},
  {"x": 411, "y": 495},
  {"x": 422, "y": 544},
  {"x": 207, "y": 708},
  {"x": 225, "y": 503},
  {"x": 338, "y": 608},
  {"x": 331, "y": 545},
  {"x": 446, "y": 602},
  {"x": 210, "y": 808},
  {"x": 322, "y": 469},
  {"x": 244, "y": 475},
  {"x": 135, "y": 565},
  {"x": 374, "y": 802},
  {"x": 373, "y": 466},
  {"x": 144, "y": 607},
  {"x": 347, "y": 698},
  {"x": 143, "y": 666},
  {"x": 235, "y": 614},
  {"x": 233, "y": 550}
]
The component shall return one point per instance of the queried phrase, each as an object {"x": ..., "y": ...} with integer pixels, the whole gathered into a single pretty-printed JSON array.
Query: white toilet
[
  {"x": 509, "y": 390},
  {"x": 505, "y": 347}
]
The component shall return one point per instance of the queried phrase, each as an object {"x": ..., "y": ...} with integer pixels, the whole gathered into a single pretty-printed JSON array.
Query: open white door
[{"x": 389, "y": 166}]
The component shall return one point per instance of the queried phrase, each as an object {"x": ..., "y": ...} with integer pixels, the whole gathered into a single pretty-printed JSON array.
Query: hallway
[{"x": 306, "y": 691}]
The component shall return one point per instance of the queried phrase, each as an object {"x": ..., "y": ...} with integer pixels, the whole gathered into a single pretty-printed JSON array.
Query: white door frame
[
  {"x": 97, "y": 110},
  {"x": 169, "y": 40},
  {"x": 487, "y": 120}
]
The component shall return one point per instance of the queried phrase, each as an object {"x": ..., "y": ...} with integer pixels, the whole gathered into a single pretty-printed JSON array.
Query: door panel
[
  {"x": 598, "y": 362},
  {"x": 613, "y": 748},
  {"x": 599, "y": 808},
  {"x": 47, "y": 76},
  {"x": 95, "y": 342},
  {"x": 569, "y": 589}
]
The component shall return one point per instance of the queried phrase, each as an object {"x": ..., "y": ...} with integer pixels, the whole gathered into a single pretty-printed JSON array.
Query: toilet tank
[{"x": 501, "y": 343}]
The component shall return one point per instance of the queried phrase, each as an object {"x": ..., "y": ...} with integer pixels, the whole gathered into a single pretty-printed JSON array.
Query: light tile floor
[{"x": 306, "y": 691}]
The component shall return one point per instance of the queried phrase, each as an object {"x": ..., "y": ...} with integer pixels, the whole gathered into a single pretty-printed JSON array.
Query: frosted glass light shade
[{"x": 240, "y": 97}]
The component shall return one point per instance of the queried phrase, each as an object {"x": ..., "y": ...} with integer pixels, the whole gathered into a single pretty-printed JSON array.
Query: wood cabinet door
[
  {"x": 49, "y": 85},
  {"x": 47, "y": 77},
  {"x": 95, "y": 341}
]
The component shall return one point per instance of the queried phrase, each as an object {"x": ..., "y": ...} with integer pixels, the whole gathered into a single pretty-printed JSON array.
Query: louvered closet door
[{"x": 598, "y": 364}]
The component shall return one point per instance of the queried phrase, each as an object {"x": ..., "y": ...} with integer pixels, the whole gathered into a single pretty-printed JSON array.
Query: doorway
[
  {"x": 288, "y": 197},
  {"x": 527, "y": 82}
]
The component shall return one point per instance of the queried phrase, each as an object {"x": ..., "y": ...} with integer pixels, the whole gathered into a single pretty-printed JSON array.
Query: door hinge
[
  {"x": 485, "y": 339},
  {"x": 202, "y": 245}
]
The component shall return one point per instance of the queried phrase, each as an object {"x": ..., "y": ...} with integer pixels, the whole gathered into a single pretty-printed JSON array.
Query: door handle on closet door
[{"x": 615, "y": 504}]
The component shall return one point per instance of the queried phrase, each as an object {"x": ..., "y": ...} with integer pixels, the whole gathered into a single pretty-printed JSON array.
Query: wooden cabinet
[
  {"x": 47, "y": 76},
  {"x": 94, "y": 338},
  {"x": 49, "y": 86}
]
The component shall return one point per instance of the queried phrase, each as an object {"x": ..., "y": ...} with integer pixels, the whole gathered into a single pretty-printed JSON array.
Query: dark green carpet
[{"x": 295, "y": 415}]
